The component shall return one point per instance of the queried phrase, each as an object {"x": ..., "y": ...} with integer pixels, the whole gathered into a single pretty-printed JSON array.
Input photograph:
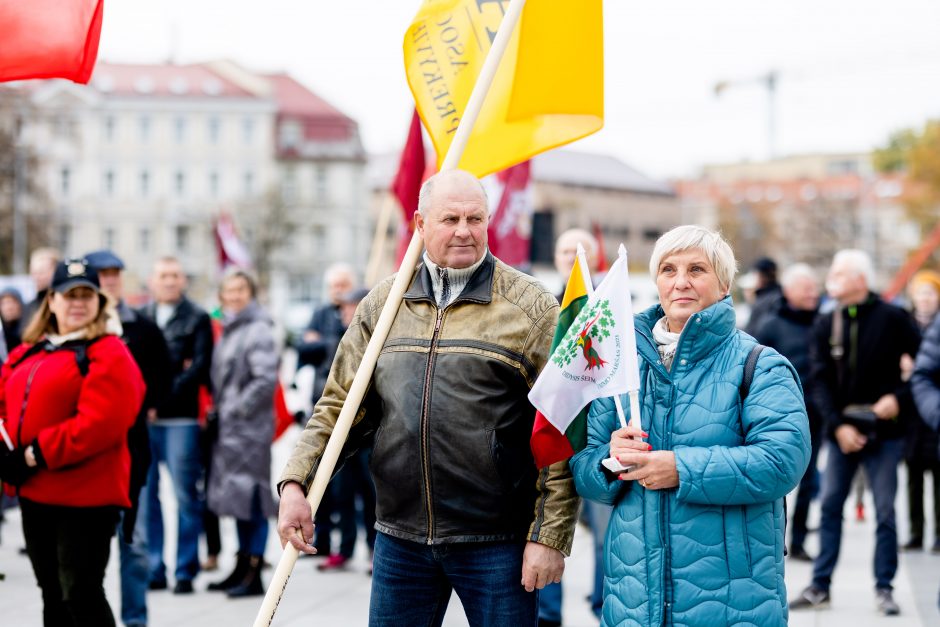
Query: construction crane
[{"x": 768, "y": 80}]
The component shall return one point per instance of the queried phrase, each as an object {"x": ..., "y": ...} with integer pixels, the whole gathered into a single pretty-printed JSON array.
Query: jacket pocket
[{"x": 737, "y": 548}]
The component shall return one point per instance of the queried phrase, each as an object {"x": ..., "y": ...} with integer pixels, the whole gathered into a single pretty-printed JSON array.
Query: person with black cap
[
  {"x": 767, "y": 294},
  {"x": 70, "y": 393},
  {"x": 148, "y": 348}
]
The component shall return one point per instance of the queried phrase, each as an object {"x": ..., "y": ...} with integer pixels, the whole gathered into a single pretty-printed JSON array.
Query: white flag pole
[
  {"x": 364, "y": 374},
  {"x": 612, "y": 463}
]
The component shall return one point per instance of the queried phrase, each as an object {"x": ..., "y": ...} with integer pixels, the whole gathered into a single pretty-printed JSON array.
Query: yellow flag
[{"x": 548, "y": 91}]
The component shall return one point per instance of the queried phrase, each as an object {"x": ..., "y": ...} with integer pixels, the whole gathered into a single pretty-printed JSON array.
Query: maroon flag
[
  {"x": 407, "y": 183},
  {"x": 599, "y": 238},
  {"x": 231, "y": 250},
  {"x": 49, "y": 38},
  {"x": 510, "y": 230}
]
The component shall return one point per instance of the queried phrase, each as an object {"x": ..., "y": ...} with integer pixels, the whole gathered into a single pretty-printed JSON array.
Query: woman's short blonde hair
[
  {"x": 43, "y": 322},
  {"x": 694, "y": 237}
]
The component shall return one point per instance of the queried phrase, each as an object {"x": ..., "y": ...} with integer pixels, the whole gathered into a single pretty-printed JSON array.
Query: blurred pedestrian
[
  {"x": 148, "y": 348},
  {"x": 71, "y": 392},
  {"x": 461, "y": 506},
  {"x": 922, "y": 452},
  {"x": 42, "y": 265},
  {"x": 697, "y": 528},
  {"x": 855, "y": 362},
  {"x": 11, "y": 317},
  {"x": 244, "y": 375},
  {"x": 767, "y": 293},
  {"x": 789, "y": 329},
  {"x": 320, "y": 340},
  {"x": 174, "y": 426}
]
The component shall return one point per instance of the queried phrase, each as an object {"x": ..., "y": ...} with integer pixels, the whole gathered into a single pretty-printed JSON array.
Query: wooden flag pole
[
  {"x": 378, "y": 239},
  {"x": 364, "y": 374}
]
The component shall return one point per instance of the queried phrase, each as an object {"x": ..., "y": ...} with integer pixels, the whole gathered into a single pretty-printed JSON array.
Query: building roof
[
  {"x": 568, "y": 167},
  {"x": 321, "y": 121},
  {"x": 164, "y": 79}
]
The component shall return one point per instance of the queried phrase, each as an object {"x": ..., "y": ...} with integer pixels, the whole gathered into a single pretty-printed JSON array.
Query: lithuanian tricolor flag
[{"x": 549, "y": 445}]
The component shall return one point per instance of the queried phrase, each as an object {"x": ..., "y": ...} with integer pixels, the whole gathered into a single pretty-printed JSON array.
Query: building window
[
  {"x": 65, "y": 180},
  {"x": 182, "y": 237},
  {"x": 144, "y": 240},
  {"x": 109, "y": 183},
  {"x": 65, "y": 237},
  {"x": 144, "y": 127},
  {"x": 179, "y": 129},
  {"x": 214, "y": 130},
  {"x": 248, "y": 183},
  {"x": 248, "y": 130},
  {"x": 179, "y": 183},
  {"x": 144, "y": 183},
  {"x": 289, "y": 185},
  {"x": 109, "y": 128},
  {"x": 290, "y": 134},
  {"x": 652, "y": 234},
  {"x": 109, "y": 238},
  {"x": 321, "y": 183},
  {"x": 319, "y": 237},
  {"x": 214, "y": 184}
]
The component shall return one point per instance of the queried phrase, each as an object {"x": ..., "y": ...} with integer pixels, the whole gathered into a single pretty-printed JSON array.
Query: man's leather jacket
[{"x": 448, "y": 402}]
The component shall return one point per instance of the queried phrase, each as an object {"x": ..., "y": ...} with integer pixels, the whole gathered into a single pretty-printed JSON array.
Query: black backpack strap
[
  {"x": 750, "y": 365},
  {"x": 32, "y": 350}
]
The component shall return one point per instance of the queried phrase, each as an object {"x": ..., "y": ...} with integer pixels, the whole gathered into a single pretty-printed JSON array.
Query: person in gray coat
[{"x": 244, "y": 376}]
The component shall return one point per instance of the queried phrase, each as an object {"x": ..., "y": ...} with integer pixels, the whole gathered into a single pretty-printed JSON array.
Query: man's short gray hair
[
  {"x": 796, "y": 272},
  {"x": 695, "y": 237},
  {"x": 427, "y": 189},
  {"x": 858, "y": 260},
  {"x": 340, "y": 268}
]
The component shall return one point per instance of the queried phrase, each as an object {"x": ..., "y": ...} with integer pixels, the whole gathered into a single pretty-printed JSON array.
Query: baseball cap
[
  {"x": 73, "y": 273},
  {"x": 104, "y": 259}
]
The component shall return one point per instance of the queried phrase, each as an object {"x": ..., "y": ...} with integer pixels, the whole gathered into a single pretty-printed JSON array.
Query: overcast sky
[{"x": 851, "y": 71}]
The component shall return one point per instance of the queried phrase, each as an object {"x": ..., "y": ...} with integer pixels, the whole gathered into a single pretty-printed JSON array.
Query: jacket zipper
[
  {"x": 664, "y": 521},
  {"x": 425, "y": 425}
]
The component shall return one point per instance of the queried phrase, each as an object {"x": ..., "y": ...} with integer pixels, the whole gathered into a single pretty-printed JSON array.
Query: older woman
[
  {"x": 244, "y": 375},
  {"x": 69, "y": 395},
  {"x": 696, "y": 536}
]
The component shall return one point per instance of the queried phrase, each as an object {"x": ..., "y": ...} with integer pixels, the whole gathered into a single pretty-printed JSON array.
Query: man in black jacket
[
  {"x": 789, "y": 330},
  {"x": 174, "y": 426},
  {"x": 147, "y": 346},
  {"x": 855, "y": 362}
]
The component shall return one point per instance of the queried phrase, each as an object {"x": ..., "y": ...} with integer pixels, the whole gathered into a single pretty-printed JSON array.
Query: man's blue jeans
[
  {"x": 176, "y": 445},
  {"x": 880, "y": 460},
  {"x": 135, "y": 570},
  {"x": 412, "y": 583}
]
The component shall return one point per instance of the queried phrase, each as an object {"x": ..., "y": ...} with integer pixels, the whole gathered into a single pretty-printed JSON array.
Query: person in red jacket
[{"x": 68, "y": 396}]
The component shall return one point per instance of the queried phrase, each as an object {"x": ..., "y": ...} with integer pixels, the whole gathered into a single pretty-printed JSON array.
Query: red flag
[
  {"x": 599, "y": 239},
  {"x": 231, "y": 250},
  {"x": 407, "y": 183},
  {"x": 49, "y": 39},
  {"x": 510, "y": 230}
]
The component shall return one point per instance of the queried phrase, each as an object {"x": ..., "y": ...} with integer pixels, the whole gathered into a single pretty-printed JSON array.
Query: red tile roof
[{"x": 164, "y": 80}]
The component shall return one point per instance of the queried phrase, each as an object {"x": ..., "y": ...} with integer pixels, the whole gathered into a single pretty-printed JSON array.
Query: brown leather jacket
[{"x": 451, "y": 418}]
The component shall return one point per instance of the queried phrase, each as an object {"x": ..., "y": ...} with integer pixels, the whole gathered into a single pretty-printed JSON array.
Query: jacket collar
[
  {"x": 703, "y": 333},
  {"x": 479, "y": 288}
]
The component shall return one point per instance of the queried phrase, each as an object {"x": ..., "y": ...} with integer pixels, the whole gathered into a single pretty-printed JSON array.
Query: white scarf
[{"x": 666, "y": 341}]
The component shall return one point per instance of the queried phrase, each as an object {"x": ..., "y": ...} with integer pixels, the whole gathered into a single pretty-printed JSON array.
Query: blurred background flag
[
  {"x": 548, "y": 91},
  {"x": 510, "y": 197},
  {"x": 49, "y": 38}
]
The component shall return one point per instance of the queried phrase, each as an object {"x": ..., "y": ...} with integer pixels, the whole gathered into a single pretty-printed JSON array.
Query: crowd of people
[{"x": 820, "y": 386}]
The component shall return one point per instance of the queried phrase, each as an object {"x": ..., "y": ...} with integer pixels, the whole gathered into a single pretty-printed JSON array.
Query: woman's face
[
  {"x": 925, "y": 299},
  {"x": 74, "y": 309},
  {"x": 687, "y": 284},
  {"x": 235, "y": 295}
]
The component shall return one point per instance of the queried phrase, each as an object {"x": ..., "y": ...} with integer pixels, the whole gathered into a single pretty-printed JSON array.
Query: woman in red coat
[{"x": 68, "y": 396}]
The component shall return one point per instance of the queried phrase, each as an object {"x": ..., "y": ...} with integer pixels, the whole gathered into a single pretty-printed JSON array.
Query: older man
[
  {"x": 855, "y": 366},
  {"x": 461, "y": 505}
]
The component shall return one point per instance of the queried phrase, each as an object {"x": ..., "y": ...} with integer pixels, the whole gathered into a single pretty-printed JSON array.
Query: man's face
[
  {"x": 844, "y": 283},
  {"x": 802, "y": 294},
  {"x": 10, "y": 308},
  {"x": 337, "y": 285},
  {"x": 41, "y": 270},
  {"x": 454, "y": 228},
  {"x": 111, "y": 282},
  {"x": 566, "y": 250},
  {"x": 168, "y": 282}
]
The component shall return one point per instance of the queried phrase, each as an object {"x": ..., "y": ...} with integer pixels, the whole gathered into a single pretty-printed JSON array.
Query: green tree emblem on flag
[{"x": 592, "y": 326}]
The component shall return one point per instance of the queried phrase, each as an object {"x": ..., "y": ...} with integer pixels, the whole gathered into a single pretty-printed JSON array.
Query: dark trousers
[
  {"x": 805, "y": 492},
  {"x": 915, "y": 495},
  {"x": 69, "y": 549},
  {"x": 412, "y": 583},
  {"x": 880, "y": 460}
]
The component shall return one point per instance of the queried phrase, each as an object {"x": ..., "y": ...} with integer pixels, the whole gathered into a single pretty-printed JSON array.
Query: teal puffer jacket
[{"x": 709, "y": 552}]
